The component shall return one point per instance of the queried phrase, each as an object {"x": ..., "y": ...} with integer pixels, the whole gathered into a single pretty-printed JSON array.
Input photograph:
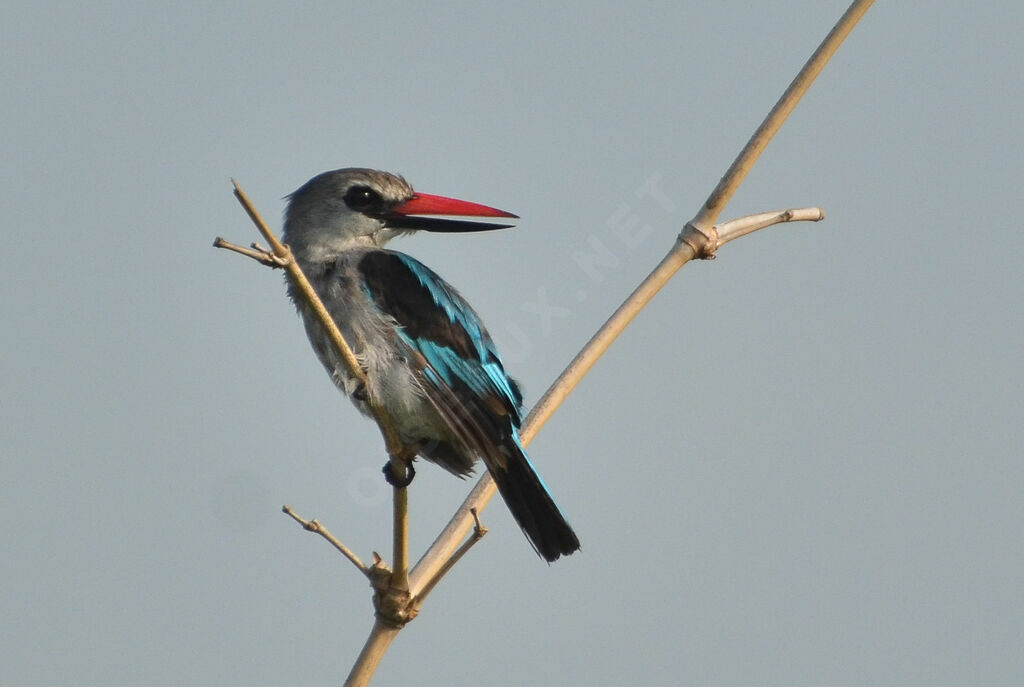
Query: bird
[{"x": 429, "y": 363}]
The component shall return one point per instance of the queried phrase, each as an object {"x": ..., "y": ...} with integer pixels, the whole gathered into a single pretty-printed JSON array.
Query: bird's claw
[
  {"x": 390, "y": 478},
  {"x": 360, "y": 393}
]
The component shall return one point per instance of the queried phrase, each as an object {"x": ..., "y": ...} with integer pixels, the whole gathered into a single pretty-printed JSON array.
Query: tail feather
[
  {"x": 531, "y": 504},
  {"x": 496, "y": 441}
]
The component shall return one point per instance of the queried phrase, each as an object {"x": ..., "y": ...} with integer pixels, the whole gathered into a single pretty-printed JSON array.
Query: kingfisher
[{"x": 430, "y": 365}]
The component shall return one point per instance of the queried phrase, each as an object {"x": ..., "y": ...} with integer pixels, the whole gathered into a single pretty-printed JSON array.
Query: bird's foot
[
  {"x": 360, "y": 393},
  {"x": 392, "y": 479}
]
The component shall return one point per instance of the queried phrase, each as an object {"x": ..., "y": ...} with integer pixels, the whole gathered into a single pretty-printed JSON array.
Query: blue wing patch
[{"x": 439, "y": 324}]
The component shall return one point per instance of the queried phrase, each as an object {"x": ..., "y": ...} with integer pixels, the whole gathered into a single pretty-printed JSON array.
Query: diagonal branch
[
  {"x": 281, "y": 256},
  {"x": 427, "y": 570},
  {"x": 694, "y": 241},
  {"x": 478, "y": 533}
]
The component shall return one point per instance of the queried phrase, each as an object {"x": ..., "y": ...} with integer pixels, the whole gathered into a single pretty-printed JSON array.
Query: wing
[{"x": 459, "y": 366}]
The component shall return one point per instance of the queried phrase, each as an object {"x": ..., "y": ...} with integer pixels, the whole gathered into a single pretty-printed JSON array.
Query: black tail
[{"x": 531, "y": 504}]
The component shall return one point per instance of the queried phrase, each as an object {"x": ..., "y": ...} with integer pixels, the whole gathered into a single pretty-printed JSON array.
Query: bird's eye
[{"x": 362, "y": 198}]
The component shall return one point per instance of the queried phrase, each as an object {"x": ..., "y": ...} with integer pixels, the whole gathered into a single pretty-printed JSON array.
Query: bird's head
[{"x": 339, "y": 210}]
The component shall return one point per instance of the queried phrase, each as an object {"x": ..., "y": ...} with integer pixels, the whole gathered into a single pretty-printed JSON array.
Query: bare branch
[
  {"x": 386, "y": 628},
  {"x": 366, "y": 663},
  {"x": 400, "y": 579},
  {"x": 315, "y": 526},
  {"x": 692, "y": 242},
  {"x": 257, "y": 252},
  {"x": 278, "y": 248},
  {"x": 283, "y": 258},
  {"x": 427, "y": 570},
  {"x": 741, "y": 226},
  {"x": 478, "y": 533}
]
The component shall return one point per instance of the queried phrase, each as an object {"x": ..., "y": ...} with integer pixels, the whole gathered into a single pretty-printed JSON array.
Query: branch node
[
  {"x": 392, "y": 604},
  {"x": 703, "y": 243}
]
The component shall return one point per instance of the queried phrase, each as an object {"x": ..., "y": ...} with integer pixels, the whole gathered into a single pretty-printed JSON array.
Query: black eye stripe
[{"x": 362, "y": 198}]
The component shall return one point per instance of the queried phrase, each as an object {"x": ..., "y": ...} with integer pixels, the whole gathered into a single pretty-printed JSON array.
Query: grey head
[
  {"x": 356, "y": 207},
  {"x": 341, "y": 209}
]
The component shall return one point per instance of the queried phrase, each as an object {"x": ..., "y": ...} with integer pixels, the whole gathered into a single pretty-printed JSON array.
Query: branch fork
[
  {"x": 393, "y": 603},
  {"x": 702, "y": 243},
  {"x": 262, "y": 255}
]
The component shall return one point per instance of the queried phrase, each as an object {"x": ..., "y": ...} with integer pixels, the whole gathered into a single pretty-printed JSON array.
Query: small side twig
[
  {"x": 735, "y": 228},
  {"x": 256, "y": 252},
  {"x": 478, "y": 533},
  {"x": 317, "y": 528},
  {"x": 279, "y": 255}
]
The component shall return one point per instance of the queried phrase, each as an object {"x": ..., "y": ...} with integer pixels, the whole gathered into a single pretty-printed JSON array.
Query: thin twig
[
  {"x": 315, "y": 526},
  {"x": 400, "y": 575},
  {"x": 440, "y": 552},
  {"x": 283, "y": 258},
  {"x": 734, "y": 229},
  {"x": 305, "y": 289},
  {"x": 278, "y": 248},
  {"x": 257, "y": 253},
  {"x": 309, "y": 295},
  {"x": 478, "y": 533}
]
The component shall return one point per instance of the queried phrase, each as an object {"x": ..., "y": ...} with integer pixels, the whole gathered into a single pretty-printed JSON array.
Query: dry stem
[{"x": 315, "y": 526}]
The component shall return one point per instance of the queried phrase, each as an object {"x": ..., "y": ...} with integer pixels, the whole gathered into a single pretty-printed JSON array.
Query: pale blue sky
[{"x": 802, "y": 465}]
